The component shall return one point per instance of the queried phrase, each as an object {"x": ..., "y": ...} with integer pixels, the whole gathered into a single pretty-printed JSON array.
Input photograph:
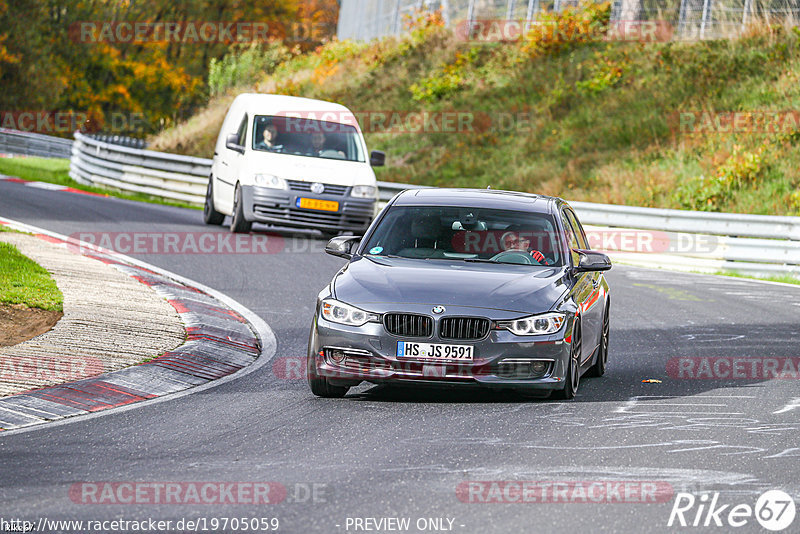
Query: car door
[
  {"x": 228, "y": 173},
  {"x": 582, "y": 288},
  {"x": 593, "y": 309}
]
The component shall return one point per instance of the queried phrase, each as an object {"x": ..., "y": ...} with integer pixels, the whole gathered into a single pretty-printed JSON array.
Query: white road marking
[{"x": 791, "y": 405}]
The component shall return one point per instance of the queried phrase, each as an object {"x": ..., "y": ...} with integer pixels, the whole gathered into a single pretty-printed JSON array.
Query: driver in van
[{"x": 318, "y": 145}]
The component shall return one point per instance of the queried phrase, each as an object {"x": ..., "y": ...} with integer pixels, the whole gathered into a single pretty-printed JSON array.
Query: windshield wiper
[{"x": 479, "y": 260}]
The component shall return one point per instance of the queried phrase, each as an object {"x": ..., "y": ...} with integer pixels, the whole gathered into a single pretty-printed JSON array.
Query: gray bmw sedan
[{"x": 464, "y": 287}]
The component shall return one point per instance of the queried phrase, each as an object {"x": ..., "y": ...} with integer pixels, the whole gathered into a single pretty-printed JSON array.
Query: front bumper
[
  {"x": 279, "y": 206},
  {"x": 500, "y": 360}
]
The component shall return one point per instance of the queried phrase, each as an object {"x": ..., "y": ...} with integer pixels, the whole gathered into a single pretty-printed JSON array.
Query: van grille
[
  {"x": 463, "y": 328},
  {"x": 408, "y": 324},
  {"x": 330, "y": 189}
]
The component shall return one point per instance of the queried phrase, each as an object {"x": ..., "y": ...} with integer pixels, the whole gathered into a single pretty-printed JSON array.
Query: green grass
[
  {"x": 600, "y": 115},
  {"x": 784, "y": 279},
  {"x": 56, "y": 171},
  {"x": 23, "y": 281}
]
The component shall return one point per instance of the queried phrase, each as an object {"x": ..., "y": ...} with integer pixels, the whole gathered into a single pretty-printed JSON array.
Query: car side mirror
[
  {"x": 591, "y": 261},
  {"x": 377, "y": 158},
  {"x": 343, "y": 246},
  {"x": 232, "y": 143}
]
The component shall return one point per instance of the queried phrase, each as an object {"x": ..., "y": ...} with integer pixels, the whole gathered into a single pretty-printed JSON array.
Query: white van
[{"x": 294, "y": 162}]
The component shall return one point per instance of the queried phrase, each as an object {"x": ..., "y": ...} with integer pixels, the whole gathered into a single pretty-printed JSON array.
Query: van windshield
[{"x": 306, "y": 137}]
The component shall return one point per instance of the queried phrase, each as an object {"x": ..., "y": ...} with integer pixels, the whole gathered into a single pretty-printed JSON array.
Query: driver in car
[{"x": 515, "y": 238}]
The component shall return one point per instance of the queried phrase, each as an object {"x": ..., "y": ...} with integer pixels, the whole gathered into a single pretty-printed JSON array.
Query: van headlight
[
  {"x": 339, "y": 312},
  {"x": 364, "y": 191},
  {"x": 271, "y": 181},
  {"x": 534, "y": 325}
]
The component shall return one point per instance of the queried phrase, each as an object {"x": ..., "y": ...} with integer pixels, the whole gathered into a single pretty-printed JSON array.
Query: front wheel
[
  {"x": 599, "y": 367},
  {"x": 239, "y": 225},
  {"x": 211, "y": 215},
  {"x": 319, "y": 384},
  {"x": 573, "y": 374}
]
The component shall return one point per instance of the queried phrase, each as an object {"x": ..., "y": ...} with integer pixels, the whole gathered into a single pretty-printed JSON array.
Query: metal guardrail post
[
  {"x": 533, "y": 10},
  {"x": 748, "y": 5},
  {"x": 706, "y": 15},
  {"x": 510, "y": 10}
]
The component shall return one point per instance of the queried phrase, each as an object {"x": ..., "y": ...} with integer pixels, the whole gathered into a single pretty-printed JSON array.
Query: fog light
[
  {"x": 337, "y": 356},
  {"x": 539, "y": 367}
]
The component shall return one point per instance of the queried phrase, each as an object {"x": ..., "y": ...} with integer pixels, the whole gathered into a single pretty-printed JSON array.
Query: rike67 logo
[{"x": 774, "y": 510}]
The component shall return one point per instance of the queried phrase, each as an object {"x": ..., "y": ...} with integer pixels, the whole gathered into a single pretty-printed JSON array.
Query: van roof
[{"x": 273, "y": 104}]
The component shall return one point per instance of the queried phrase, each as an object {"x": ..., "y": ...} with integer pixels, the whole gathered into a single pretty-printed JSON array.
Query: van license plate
[{"x": 317, "y": 204}]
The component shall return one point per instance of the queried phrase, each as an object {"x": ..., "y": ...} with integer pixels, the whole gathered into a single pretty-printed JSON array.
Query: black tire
[
  {"x": 599, "y": 367},
  {"x": 319, "y": 384},
  {"x": 210, "y": 215},
  {"x": 239, "y": 225},
  {"x": 573, "y": 375}
]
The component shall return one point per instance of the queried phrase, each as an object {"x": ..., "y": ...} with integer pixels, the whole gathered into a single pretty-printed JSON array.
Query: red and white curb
[
  {"x": 48, "y": 186},
  {"x": 224, "y": 341}
]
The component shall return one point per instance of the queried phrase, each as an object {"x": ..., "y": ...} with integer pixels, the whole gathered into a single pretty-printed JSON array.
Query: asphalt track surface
[{"x": 382, "y": 453}]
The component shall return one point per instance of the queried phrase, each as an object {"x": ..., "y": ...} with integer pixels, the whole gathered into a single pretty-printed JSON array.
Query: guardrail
[
  {"x": 33, "y": 144},
  {"x": 749, "y": 244},
  {"x": 167, "y": 176}
]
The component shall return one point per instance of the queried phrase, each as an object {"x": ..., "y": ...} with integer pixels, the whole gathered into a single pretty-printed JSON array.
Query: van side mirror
[
  {"x": 232, "y": 143},
  {"x": 377, "y": 158},
  {"x": 343, "y": 246},
  {"x": 591, "y": 261}
]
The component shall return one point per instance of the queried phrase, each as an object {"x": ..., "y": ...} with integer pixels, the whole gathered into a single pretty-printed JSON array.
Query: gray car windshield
[
  {"x": 306, "y": 137},
  {"x": 467, "y": 234}
]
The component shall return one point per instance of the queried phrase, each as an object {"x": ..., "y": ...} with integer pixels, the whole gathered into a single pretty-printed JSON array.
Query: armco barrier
[
  {"x": 33, "y": 144},
  {"x": 749, "y": 244},
  {"x": 167, "y": 176}
]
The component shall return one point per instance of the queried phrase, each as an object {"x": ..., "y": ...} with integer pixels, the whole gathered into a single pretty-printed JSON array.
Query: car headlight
[
  {"x": 339, "y": 312},
  {"x": 271, "y": 181},
  {"x": 535, "y": 325},
  {"x": 364, "y": 191}
]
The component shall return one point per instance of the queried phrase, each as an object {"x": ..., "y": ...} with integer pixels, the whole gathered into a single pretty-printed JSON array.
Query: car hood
[{"x": 379, "y": 284}]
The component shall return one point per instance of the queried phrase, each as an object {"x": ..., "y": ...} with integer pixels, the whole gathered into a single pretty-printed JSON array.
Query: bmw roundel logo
[
  {"x": 317, "y": 188},
  {"x": 438, "y": 309}
]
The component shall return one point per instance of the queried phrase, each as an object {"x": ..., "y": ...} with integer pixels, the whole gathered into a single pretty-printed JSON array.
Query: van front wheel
[
  {"x": 239, "y": 225},
  {"x": 210, "y": 215}
]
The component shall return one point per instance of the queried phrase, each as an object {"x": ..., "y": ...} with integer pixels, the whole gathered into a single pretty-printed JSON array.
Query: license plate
[
  {"x": 434, "y": 351},
  {"x": 317, "y": 204}
]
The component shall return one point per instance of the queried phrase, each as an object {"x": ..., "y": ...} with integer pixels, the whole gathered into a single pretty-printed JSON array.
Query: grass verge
[
  {"x": 784, "y": 279},
  {"x": 23, "y": 281},
  {"x": 56, "y": 171}
]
